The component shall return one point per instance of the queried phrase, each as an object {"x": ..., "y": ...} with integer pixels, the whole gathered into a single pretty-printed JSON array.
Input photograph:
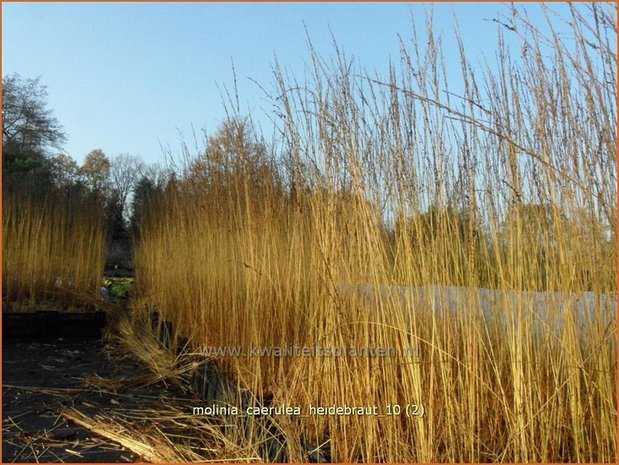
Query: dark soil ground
[{"x": 43, "y": 378}]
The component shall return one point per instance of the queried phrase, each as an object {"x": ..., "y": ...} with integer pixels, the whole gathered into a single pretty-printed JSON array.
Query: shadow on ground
[{"x": 42, "y": 379}]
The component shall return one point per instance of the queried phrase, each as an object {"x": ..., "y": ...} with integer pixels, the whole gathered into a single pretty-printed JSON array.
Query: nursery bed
[{"x": 44, "y": 380}]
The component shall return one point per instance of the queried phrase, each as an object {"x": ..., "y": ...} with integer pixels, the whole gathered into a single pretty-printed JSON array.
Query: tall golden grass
[
  {"x": 53, "y": 250},
  {"x": 476, "y": 228}
]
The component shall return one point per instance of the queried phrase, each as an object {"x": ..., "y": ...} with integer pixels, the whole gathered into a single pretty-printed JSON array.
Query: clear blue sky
[{"x": 122, "y": 77}]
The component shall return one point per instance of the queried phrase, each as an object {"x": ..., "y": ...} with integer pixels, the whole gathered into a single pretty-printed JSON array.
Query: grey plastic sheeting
[{"x": 547, "y": 310}]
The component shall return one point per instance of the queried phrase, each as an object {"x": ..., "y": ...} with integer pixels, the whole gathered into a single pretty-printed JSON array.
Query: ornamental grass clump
[
  {"x": 53, "y": 251},
  {"x": 470, "y": 233}
]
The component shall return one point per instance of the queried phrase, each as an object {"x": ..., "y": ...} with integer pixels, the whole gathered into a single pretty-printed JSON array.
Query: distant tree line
[
  {"x": 236, "y": 162},
  {"x": 34, "y": 165}
]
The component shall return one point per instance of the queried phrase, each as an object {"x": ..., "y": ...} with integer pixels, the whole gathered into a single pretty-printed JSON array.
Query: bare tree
[
  {"x": 125, "y": 171},
  {"x": 29, "y": 133},
  {"x": 27, "y": 124}
]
